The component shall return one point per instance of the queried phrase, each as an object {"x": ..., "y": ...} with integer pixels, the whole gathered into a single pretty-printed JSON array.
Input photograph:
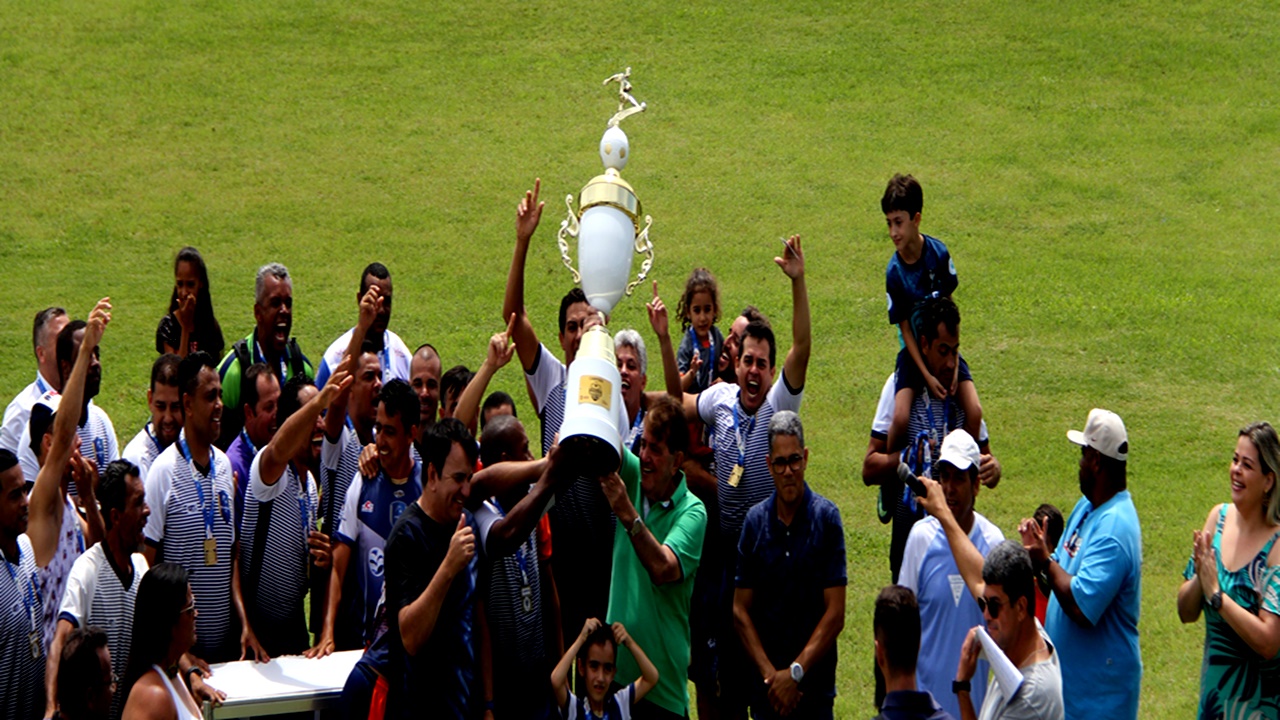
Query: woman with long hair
[
  {"x": 164, "y": 627},
  {"x": 1234, "y": 578},
  {"x": 190, "y": 324}
]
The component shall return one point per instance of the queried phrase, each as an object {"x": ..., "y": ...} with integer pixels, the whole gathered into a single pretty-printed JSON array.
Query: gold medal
[
  {"x": 735, "y": 477},
  {"x": 210, "y": 552}
]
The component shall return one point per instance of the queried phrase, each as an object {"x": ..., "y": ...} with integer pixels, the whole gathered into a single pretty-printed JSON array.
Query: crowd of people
[{"x": 404, "y": 504}]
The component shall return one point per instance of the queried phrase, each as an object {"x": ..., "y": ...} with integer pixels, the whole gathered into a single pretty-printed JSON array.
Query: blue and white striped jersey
[{"x": 181, "y": 498}]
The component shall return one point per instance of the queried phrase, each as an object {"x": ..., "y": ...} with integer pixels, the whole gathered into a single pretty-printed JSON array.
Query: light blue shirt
[
  {"x": 1101, "y": 548},
  {"x": 947, "y": 608}
]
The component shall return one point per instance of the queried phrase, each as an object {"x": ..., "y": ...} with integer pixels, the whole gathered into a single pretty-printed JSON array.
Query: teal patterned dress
[{"x": 1235, "y": 682}]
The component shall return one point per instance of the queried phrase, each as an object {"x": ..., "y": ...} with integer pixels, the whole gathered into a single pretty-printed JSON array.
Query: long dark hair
[
  {"x": 162, "y": 595},
  {"x": 208, "y": 335}
]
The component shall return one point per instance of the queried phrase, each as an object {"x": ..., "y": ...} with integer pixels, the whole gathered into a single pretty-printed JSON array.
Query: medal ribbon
[
  {"x": 206, "y": 504},
  {"x": 29, "y": 598}
]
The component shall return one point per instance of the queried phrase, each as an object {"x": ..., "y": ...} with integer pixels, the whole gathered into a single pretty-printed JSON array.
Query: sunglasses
[{"x": 991, "y": 606}]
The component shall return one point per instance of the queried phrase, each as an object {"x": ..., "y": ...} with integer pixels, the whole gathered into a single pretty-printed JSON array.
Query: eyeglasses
[
  {"x": 991, "y": 606},
  {"x": 795, "y": 462},
  {"x": 190, "y": 609}
]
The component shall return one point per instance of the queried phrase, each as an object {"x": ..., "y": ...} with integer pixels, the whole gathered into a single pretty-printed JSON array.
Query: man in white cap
[
  {"x": 1096, "y": 579},
  {"x": 929, "y": 569}
]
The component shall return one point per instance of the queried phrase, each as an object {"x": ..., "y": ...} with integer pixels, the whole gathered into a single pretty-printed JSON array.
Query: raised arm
[
  {"x": 497, "y": 479},
  {"x": 296, "y": 432},
  {"x": 560, "y": 675},
  {"x": 46, "y": 505},
  {"x": 661, "y": 325},
  {"x": 498, "y": 355},
  {"x": 506, "y": 535},
  {"x": 528, "y": 214},
  {"x": 797, "y": 363},
  {"x": 967, "y": 557},
  {"x": 371, "y": 305},
  {"x": 658, "y": 559},
  {"x": 648, "y": 671}
]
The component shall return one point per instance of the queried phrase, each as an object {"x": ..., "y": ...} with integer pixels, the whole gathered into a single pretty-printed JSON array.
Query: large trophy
[{"x": 607, "y": 228}]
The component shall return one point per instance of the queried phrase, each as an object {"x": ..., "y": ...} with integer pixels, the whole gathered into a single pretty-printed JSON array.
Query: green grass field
[{"x": 1102, "y": 173}]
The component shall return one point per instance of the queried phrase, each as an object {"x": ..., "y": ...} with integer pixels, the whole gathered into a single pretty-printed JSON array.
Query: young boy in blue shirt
[{"x": 920, "y": 268}]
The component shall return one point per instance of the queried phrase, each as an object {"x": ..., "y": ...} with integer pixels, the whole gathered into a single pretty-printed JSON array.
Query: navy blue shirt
[
  {"x": 905, "y": 285},
  {"x": 441, "y": 680},
  {"x": 788, "y": 568},
  {"x": 912, "y": 705}
]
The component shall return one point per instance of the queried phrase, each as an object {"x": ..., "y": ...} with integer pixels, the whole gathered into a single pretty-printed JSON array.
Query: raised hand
[
  {"x": 658, "y": 314},
  {"x": 792, "y": 260},
  {"x": 620, "y": 635},
  {"x": 614, "y": 490},
  {"x": 529, "y": 213},
  {"x": 935, "y": 501},
  {"x": 338, "y": 383},
  {"x": 98, "y": 320},
  {"x": 589, "y": 627},
  {"x": 501, "y": 350},
  {"x": 989, "y": 470},
  {"x": 370, "y": 305}
]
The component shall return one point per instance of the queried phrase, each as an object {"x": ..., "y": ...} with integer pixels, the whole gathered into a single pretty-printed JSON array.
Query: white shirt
[
  {"x": 19, "y": 411},
  {"x": 395, "y": 357}
]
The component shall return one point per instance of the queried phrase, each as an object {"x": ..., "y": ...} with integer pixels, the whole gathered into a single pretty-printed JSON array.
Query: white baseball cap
[
  {"x": 1104, "y": 431},
  {"x": 960, "y": 450}
]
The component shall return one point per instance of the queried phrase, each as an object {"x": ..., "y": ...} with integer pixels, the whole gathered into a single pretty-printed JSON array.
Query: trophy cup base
[{"x": 591, "y": 445}]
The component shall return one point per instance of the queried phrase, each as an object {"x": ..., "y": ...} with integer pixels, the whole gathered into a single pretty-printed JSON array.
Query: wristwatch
[
  {"x": 1215, "y": 600},
  {"x": 797, "y": 672},
  {"x": 636, "y": 526},
  {"x": 959, "y": 686}
]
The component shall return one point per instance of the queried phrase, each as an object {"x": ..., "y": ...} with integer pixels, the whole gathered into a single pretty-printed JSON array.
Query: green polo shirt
[
  {"x": 231, "y": 371},
  {"x": 657, "y": 616}
]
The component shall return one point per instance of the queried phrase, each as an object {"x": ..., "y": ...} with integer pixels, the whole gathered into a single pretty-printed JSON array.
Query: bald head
[
  {"x": 424, "y": 377},
  {"x": 503, "y": 439}
]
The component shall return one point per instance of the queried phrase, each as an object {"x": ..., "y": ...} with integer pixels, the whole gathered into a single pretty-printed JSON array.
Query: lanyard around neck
[{"x": 206, "y": 504}]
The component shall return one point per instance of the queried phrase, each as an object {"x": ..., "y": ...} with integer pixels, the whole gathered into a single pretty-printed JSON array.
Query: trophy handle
[
  {"x": 568, "y": 229},
  {"x": 645, "y": 247}
]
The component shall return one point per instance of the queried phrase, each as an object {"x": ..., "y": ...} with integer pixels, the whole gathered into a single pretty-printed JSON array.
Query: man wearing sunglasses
[
  {"x": 1004, "y": 586},
  {"x": 789, "y": 596},
  {"x": 929, "y": 570}
]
